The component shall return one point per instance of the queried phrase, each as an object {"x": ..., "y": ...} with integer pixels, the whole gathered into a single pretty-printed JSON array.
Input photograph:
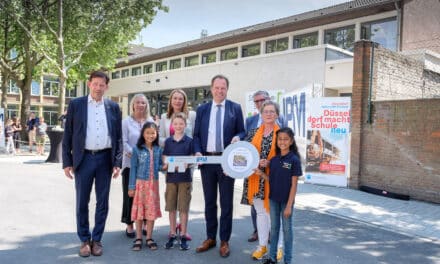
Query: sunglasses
[{"x": 259, "y": 101}]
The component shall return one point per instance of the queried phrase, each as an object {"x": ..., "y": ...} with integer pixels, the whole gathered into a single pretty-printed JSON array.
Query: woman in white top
[
  {"x": 131, "y": 129},
  {"x": 177, "y": 103}
]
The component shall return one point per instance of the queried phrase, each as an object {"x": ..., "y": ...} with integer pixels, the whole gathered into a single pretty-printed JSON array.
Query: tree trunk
[{"x": 4, "y": 89}]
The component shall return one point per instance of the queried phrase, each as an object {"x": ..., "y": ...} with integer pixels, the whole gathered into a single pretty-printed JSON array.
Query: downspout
[
  {"x": 399, "y": 24},
  {"x": 370, "y": 84}
]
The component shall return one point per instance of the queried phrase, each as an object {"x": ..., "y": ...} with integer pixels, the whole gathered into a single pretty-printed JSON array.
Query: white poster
[
  {"x": 328, "y": 140},
  {"x": 2, "y": 128}
]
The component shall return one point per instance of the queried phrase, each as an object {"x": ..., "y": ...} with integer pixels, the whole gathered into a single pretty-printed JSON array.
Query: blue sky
[{"x": 186, "y": 18}]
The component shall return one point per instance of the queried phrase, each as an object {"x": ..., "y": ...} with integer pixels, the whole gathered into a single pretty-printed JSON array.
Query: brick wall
[
  {"x": 395, "y": 143},
  {"x": 398, "y": 77}
]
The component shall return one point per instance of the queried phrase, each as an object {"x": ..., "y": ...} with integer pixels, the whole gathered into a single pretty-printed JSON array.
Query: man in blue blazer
[
  {"x": 92, "y": 152},
  {"x": 218, "y": 124},
  {"x": 253, "y": 122}
]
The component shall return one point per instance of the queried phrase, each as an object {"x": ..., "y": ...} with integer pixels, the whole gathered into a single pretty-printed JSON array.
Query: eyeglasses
[
  {"x": 259, "y": 101},
  {"x": 269, "y": 112}
]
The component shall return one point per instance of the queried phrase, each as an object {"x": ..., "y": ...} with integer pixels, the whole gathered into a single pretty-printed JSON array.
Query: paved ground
[{"x": 332, "y": 225}]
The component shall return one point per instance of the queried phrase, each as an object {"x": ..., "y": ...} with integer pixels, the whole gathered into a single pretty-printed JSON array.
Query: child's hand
[
  {"x": 131, "y": 193},
  {"x": 287, "y": 212},
  {"x": 165, "y": 167}
]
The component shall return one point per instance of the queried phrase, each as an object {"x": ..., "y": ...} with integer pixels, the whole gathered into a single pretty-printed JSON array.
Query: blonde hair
[
  {"x": 170, "y": 110},
  {"x": 180, "y": 115},
  {"x": 147, "y": 107}
]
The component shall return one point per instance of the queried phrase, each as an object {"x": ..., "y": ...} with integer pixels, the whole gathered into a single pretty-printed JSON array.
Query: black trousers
[{"x": 127, "y": 202}]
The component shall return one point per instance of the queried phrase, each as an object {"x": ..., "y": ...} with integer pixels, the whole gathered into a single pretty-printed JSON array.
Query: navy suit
[
  {"x": 212, "y": 174},
  {"x": 89, "y": 167}
]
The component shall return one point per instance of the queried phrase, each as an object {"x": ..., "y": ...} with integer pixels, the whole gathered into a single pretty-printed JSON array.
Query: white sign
[
  {"x": 328, "y": 141},
  {"x": 238, "y": 160}
]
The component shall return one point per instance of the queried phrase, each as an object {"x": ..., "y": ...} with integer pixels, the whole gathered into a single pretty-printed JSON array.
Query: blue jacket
[
  {"x": 233, "y": 125},
  {"x": 140, "y": 165},
  {"x": 75, "y": 132}
]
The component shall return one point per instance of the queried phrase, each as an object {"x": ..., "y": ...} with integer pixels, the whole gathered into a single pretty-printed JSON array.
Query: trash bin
[{"x": 55, "y": 138}]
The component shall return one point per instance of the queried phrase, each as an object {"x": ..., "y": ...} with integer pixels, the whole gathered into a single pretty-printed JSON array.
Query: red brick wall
[{"x": 398, "y": 149}]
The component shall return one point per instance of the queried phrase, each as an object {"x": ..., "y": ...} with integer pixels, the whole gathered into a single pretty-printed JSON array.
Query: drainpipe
[
  {"x": 370, "y": 84},
  {"x": 399, "y": 24}
]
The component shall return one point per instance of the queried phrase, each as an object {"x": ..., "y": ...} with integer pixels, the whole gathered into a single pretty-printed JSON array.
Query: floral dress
[
  {"x": 146, "y": 201},
  {"x": 265, "y": 149}
]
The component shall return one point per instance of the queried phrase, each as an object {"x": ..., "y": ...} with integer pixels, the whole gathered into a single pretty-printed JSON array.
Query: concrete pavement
[{"x": 34, "y": 182}]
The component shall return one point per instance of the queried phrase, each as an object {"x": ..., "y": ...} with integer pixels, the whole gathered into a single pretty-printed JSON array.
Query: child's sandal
[
  {"x": 137, "y": 244},
  {"x": 151, "y": 244}
]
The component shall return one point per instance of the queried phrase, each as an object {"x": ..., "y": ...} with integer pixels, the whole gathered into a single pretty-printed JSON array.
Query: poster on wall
[
  {"x": 2, "y": 127},
  {"x": 294, "y": 107},
  {"x": 328, "y": 141},
  {"x": 275, "y": 95}
]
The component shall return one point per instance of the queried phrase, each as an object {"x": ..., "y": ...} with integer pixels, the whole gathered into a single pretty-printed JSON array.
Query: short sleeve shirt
[
  {"x": 282, "y": 169},
  {"x": 183, "y": 147}
]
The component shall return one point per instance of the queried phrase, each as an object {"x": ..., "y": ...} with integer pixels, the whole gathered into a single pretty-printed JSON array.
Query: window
[
  {"x": 116, "y": 75},
  {"x": 51, "y": 86},
  {"x": 277, "y": 45},
  {"x": 161, "y": 66},
  {"x": 229, "y": 54},
  {"x": 192, "y": 61},
  {"x": 72, "y": 91},
  {"x": 250, "y": 50},
  {"x": 12, "y": 110},
  {"x": 13, "y": 88},
  {"x": 147, "y": 69},
  {"x": 125, "y": 73},
  {"x": 306, "y": 40},
  {"x": 136, "y": 71},
  {"x": 35, "y": 88},
  {"x": 340, "y": 37},
  {"x": 50, "y": 115},
  {"x": 175, "y": 64},
  {"x": 209, "y": 57},
  {"x": 383, "y": 32}
]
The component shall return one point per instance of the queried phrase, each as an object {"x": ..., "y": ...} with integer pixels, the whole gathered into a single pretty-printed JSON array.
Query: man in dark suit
[
  {"x": 92, "y": 147},
  {"x": 253, "y": 122},
  {"x": 218, "y": 124}
]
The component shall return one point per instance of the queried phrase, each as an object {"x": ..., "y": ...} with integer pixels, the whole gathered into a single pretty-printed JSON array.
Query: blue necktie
[{"x": 218, "y": 129}]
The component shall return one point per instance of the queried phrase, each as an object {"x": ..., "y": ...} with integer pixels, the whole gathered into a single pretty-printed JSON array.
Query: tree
[{"x": 86, "y": 35}]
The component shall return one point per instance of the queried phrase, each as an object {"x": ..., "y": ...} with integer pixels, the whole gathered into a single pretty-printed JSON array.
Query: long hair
[
  {"x": 170, "y": 110},
  {"x": 293, "y": 147},
  {"x": 147, "y": 106},
  {"x": 141, "y": 140}
]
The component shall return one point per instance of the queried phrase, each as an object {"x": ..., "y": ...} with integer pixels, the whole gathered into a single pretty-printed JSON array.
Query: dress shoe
[
  {"x": 224, "y": 249},
  {"x": 96, "y": 248},
  {"x": 206, "y": 245},
  {"x": 84, "y": 249},
  {"x": 253, "y": 237}
]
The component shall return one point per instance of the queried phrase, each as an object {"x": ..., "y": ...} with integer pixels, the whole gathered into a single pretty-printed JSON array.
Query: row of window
[
  {"x": 51, "y": 87},
  {"x": 383, "y": 32},
  {"x": 50, "y": 114}
]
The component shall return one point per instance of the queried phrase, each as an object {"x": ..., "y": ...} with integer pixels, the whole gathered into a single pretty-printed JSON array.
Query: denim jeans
[{"x": 276, "y": 214}]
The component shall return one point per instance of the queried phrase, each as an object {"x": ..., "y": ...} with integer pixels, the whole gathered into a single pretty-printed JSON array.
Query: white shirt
[
  {"x": 211, "y": 131},
  {"x": 97, "y": 136}
]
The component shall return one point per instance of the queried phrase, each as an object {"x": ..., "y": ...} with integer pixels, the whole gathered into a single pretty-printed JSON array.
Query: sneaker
[
  {"x": 171, "y": 241},
  {"x": 183, "y": 243},
  {"x": 259, "y": 253},
  {"x": 268, "y": 261},
  {"x": 280, "y": 254}
]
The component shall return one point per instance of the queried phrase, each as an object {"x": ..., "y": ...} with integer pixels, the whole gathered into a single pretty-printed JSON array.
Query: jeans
[{"x": 276, "y": 214}]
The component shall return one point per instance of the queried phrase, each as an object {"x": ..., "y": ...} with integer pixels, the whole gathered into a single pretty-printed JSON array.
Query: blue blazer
[
  {"x": 75, "y": 132},
  {"x": 233, "y": 125},
  {"x": 252, "y": 122}
]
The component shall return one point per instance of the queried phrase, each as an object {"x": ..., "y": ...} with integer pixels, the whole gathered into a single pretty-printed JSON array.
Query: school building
[{"x": 394, "y": 84}]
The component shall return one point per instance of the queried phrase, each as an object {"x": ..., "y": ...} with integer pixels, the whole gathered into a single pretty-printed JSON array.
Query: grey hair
[
  {"x": 275, "y": 104},
  {"x": 261, "y": 92}
]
